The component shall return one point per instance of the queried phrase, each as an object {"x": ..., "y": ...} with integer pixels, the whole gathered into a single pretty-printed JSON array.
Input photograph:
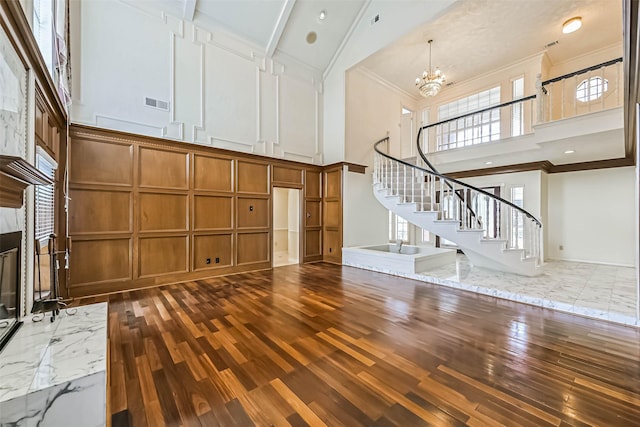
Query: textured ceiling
[{"x": 477, "y": 36}]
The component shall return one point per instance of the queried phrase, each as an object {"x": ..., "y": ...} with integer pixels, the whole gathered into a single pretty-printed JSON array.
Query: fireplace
[{"x": 10, "y": 258}]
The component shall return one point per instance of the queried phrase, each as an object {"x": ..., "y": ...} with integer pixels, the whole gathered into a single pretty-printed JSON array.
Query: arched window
[{"x": 591, "y": 89}]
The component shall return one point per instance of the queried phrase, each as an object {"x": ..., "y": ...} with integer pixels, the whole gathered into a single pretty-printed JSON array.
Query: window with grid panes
[{"x": 474, "y": 129}]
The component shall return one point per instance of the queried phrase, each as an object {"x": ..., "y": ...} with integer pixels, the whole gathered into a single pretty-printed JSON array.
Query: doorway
[{"x": 286, "y": 226}]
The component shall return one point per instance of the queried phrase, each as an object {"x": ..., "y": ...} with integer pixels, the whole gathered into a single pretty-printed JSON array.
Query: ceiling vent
[{"x": 156, "y": 103}]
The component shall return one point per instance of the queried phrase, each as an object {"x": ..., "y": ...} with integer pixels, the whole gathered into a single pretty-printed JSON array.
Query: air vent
[
  {"x": 156, "y": 103},
  {"x": 552, "y": 43}
]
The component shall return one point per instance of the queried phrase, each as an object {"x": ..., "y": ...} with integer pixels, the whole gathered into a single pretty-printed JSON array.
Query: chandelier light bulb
[{"x": 430, "y": 82}]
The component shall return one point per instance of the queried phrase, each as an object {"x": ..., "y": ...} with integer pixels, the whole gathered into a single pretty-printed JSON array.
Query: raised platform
[{"x": 55, "y": 373}]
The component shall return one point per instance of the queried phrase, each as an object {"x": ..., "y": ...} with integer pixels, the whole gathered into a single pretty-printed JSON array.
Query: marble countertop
[{"x": 45, "y": 354}]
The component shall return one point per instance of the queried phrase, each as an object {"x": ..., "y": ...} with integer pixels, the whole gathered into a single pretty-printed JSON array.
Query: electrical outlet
[{"x": 208, "y": 261}]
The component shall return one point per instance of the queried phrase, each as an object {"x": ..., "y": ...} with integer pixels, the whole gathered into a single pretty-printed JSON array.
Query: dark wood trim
[
  {"x": 22, "y": 170},
  {"x": 98, "y": 134},
  {"x": 598, "y": 164},
  {"x": 19, "y": 30},
  {"x": 631, "y": 63},
  {"x": 11, "y": 191},
  {"x": 545, "y": 166},
  {"x": 351, "y": 167},
  {"x": 521, "y": 167}
]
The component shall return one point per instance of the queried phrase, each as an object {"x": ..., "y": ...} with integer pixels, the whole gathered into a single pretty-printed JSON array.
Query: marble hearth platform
[{"x": 55, "y": 373}]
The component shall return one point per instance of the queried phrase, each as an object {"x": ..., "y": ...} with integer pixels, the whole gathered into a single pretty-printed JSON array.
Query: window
[
  {"x": 517, "y": 221},
  {"x": 43, "y": 29},
  {"x": 474, "y": 129},
  {"x": 398, "y": 228},
  {"x": 517, "y": 110},
  {"x": 591, "y": 89},
  {"x": 44, "y": 203}
]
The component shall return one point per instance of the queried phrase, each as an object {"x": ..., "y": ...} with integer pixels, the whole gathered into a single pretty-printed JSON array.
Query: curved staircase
[{"x": 509, "y": 242}]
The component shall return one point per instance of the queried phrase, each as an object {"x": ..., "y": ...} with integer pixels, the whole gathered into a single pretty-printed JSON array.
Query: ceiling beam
[
  {"x": 189, "y": 10},
  {"x": 278, "y": 30}
]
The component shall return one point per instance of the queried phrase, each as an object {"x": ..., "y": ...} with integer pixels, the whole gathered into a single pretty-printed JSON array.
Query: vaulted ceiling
[
  {"x": 278, "y": 27},
  {"x": 470, "y": 38}
]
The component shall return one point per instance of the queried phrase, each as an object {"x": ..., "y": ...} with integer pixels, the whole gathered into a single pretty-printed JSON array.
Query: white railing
[
  {"x": 455, "y": 201},
  {"x": 592, "y": 89},
  {"x": 589, "y": 90}
]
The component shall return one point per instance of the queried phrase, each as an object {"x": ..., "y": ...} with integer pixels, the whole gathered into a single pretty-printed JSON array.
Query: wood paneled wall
[
  {"x": 146, "y": 211},
  {"x": 332, "y": 214}
]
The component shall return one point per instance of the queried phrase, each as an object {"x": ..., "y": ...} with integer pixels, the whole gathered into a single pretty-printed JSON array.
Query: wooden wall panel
[
  {"x": 332, "y": 245},
  {"x": 313, "y": 243},
  {"x": 312, "y": 184},
  {"x": 253, "y": 212},
  {"x": 212, "y": 212},
  {"x": 212, "y": 173},
  {"x": 217, "y": 249},
  {"x": 253, "y": 177},
  {"x": 285, "y": 175},
  {"x": 253, "y": 248},
  {"x": 163, "y": 208},
  {"x": 99, "y": 211},
  {"x": 104, "y": 163},
  {"x": 312, "y": 213},
  {"x": 163, "y": 255},
  {"x": 162, "y": 212},
  {"x": 163, "y": 169},
  {"x": 96, "y": 261},
  {"x": 333, "y": 213},
  {"x": 333, "y": 184}
]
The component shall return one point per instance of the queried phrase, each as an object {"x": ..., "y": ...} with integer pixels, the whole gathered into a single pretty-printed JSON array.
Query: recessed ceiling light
[
  {"x": 312, "y": 37},
  {"x": 322, "y": 15},
  {"x": 569, "y": 151},
  {"x": 488, "y": 163},
  {"x": 572, "y": 25}
]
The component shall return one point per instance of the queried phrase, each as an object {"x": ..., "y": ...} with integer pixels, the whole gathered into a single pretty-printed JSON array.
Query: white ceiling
[
  {"x": 277, "y": 27},
  {"x": 470, "y": 38},
  {"x": 477, "y": 36}
]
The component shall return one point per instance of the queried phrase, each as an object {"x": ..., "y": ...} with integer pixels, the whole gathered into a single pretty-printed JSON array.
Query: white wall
[
  {"x": 396, "y": 19},
  {"x": 280, "y": 202},
  {"x": 592, "y": 215},
  {"x": 221, "y": 91},
  {"x": 293, "y": 223},
  {"x": 373, "y": 110}
]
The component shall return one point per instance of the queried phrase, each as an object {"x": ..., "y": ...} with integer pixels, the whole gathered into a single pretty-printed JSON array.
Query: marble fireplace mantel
[{"x": 54, "y": 373}]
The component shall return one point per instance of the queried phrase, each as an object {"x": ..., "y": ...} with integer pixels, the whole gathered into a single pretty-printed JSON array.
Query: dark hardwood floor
[{"x": 321, "y": 344}]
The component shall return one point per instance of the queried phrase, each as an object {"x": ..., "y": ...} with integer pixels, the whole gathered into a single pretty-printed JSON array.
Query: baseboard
[{"x": 612, "y": 264}]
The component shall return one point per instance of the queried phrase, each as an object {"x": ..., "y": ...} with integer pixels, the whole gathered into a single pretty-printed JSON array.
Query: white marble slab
[{"x": 46, "y": 364}]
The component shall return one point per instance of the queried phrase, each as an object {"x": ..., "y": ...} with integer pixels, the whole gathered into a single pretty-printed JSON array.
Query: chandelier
[{"x": 429, "y": 82}]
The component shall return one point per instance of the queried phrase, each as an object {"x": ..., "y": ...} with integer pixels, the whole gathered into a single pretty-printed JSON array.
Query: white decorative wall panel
[
  {"x": 298, "y": 104},
  {"x": 231, "y": 97},
  {"x": 221, "y": 90}
]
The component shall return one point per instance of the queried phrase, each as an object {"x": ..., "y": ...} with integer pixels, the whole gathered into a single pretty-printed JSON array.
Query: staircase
[{"x": 508, "y": 237}]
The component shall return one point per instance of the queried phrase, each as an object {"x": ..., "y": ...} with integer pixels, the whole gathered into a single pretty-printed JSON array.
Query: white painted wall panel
[
  {"x": 297, "y": 101},
  {"x": 221, "y": 91},
  {"x": 231, "y": 98}
]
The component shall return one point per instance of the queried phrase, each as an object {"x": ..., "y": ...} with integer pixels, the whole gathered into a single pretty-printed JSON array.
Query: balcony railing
[{"x": 581, "y": 92}]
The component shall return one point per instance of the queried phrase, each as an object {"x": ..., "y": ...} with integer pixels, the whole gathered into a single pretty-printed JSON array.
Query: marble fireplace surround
[{"x": 54, "y": 373}]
